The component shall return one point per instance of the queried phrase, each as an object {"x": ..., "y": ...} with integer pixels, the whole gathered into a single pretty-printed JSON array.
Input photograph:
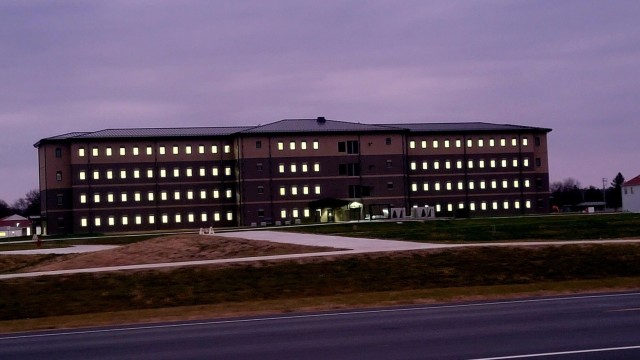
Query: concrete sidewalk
[
  {"x": 73, "y": 249},
  {"x": 353, "y": 246}
]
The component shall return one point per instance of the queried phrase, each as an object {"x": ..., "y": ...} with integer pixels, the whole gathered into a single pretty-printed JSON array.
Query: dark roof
[
  {"x": 466, "y": 127},
  {"x": 633, "y": 182},
  {"x": 316, "y": 125}
]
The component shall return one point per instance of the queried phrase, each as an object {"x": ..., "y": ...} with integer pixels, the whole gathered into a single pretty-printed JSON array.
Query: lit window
[
  {"x": 125, "y": 220},
  {"x": 527, "y": 183},
  {"x": 470, "y": 164},
  {"x": 97, "y": 221},
  {"x": 152, "y": 219},
  {"x": 176, "y": 195},
  {"x": 503, "y": 163},
  {"x": 216, "y": 216},
  {"x": 412, "y": 144},
  {"x": 283, "y": 191},
  {"x": 317, "y": 190},
  {"x": 214, "y": 171},
  {"x": 108, "y": 151},
  {"x": 150, "y": 196},
  {"x": 525, "y": 142},
  {"x": 414, "y": 187},
  {"x": 136, "y": 151},
  {"x": 459, "y": 164},
  {"x": 436, "y": 165},
  {"x": 149, "y": 150},
  {"x": 283, "y": 213},
  {"x": 460, "y": 185},
  {"x": 425, "y": 165},
  {"x": 294, "y": 168},
  {"x": 413, "y": 165},
  {"x": 435, "y": 144},
  {"x": 136, "y": 173},
  {"x": 303, "y": 145},
  {"x": 438, "y": 207},
  {"x": 472, "y": 206},
  {"x": 516, "y": 204},
  {"x": 95, "y": 151},
  {"x": 305, "y": 167},
  {"x": 110, "y": 197},
  {"x": 295, "y": 213},
  {"x": 503, "y": 142},
  {"x": 149, "y": 173},
  {"x": 316, "y": 145},
  {"x": 472, "y": 185},
  {"x": 483, "y": 205},
  {"x": 227, "y": 171},
  {"x": 492, "y": 163},
  {"x": 163, "y": 173},
  {"x": 494, "y": 184},
  {"x": 227, "y": 149},
  {"x": 229, "y": 216},
  {"x": 525, "y": 162},
  {"x": 492, "y": 142},
  {"x": 460, "y": 205},
  {"x": 515, "y": 162},
  {"x": 480, "y": 142},
  {"x": 123, "y": 174},
  {"x": 187, "y": 149},
  {"x": 229, "y": 193},
  {"x": 83, "y": 198},
  {"x": 449, "y": 207},
  {"x": 458, "y": 143},
  {"x": 514, "y": 142},
  {"x": 96, "y": 175},
  {"x": 200, "y": 149},
  {"x": 214, "y": 149},
  {"x": 527, "y": 204},
  {"x": 162, "y": 150},
  {"x": 81, "y": 154},
  {"x": 203, "y": 217},
  {"x": 483, "y": 184},
  {"x": 505, "y": 184},
  {"x": 305, "y": 190},
  {"x": 481, "y": 164},
  {"x": 446, "y": 143},
  {"x": 425, "y": 186},
  {"x": 175, "y": 150},
  {"x": 436, "y": 186},
  {"x": 96, "y": 198},
  {"x": 316, "y": 167},
  {"x": 83, "y": 222},
  {"x": 203, "y": 194},
  {"x": 447, "y": 164},
  {"x": 137, "y": 196},
  {"x": 281, "y": 168},
  {"x": 178, "y": 218},
  {"x": 494, "y": 205},
  {"x": 163, "y": 195},
  {"x": 138, "y": 219},
  {"x": 189, "y": 172},
  {"x": 123, "y": 197},
  {"x": 448, "y": 185},
  {"x": 176, "y": 172},
  {"x": 202, "y": 171},
  {"x": 165, "y": 218},
  {"x": 292, "y": 145},
  {"x": 516, "y": 184},
  {"x": 189, "y": 194},
  {"x": 191, "y": 218},
  {"x": 469, "y": 143},
  {"x": 306, "y": 213},
  {"x": 216, "y": 194},
  {"x": 505, "y": 205},
  {"x": 294, "y": 190},
  {"x": 123, "y": 151},
  {"x": 423, "y": 144}
]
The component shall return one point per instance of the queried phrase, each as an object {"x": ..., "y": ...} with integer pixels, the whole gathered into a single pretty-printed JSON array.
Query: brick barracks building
[{"x": 289, "y": 171}]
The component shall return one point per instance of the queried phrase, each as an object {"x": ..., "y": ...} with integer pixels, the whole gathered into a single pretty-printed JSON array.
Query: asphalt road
[{"x": 573, "y": 327}]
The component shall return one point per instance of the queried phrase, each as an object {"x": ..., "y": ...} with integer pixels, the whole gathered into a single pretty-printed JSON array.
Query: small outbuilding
[
  {"x": 14, "y": 226},
  {"x": 631, "y": 195}
]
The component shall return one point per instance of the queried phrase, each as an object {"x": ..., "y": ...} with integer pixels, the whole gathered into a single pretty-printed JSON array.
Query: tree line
[
  {"x": 28, "y": 205},
  {"x": 569, "y": 193}
]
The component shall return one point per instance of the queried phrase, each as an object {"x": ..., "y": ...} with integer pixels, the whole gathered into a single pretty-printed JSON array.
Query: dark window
[
  {"x": 259, "y": 166},
  {"x": 58, "y": 175},
  {"x": 389, "y": 164},
  {"x": 389, "y": 185},
  {"x": 388, "y": 141},
  {"x": 540, "y": 203},
  {"x": 356, "y": 191},
  {"x": 260, "y": 190},
  {"x": 352, "y": 169},
  {"x": 258, "y": 144},
  {"x": 350, "y": 147},
  {"x": 58, "y": 152},
  {"x": 537, "y": 140},
  {"x": 539, "y": 183},
  {"x": 60, "y": 222},
  {"x": 260, "y": 212},
  {"x": 538, "y": 162},
  {"x": 60, "y": 199}
]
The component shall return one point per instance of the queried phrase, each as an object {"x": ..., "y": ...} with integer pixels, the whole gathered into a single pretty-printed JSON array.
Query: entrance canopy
[{"x": 328, "y": 203}]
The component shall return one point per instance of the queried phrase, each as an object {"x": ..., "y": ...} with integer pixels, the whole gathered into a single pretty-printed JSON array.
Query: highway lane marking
[
  {"x": 525, "y": 356},
  {"x": 309, "y": 316}
]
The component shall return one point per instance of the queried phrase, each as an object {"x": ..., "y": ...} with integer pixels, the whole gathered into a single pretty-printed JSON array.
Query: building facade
[
  {"x": 631, "y": 195},
  {"x": 290, "y": 171}
]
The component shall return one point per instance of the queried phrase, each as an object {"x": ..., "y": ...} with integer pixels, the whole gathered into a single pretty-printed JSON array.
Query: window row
[
  {"x": 150, "y": 173},
  {"x": 294, "y": 213},
  {"x": 485, "y": 205},
  {"x": 177, "y": 218},
  {"x": 149, "y": 150},
  {"x": 295, "y": 190},
  {"x": 293, "y": 167},
  {"x": 479, "y": 142},
  {"x": 163, "y": 195},
  {"x": 293, "y": 145},
  {"x": 471, "y": 185},
  {"x": 471, "y": 164}
]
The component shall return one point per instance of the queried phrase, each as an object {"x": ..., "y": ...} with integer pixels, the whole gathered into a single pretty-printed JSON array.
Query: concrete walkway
[
  {"x": 73, "y": 249},
  {"x": 354, "y": 246}
]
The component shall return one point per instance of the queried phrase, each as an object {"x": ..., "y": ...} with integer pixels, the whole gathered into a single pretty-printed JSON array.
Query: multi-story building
[{"x": 290, "y": 171}]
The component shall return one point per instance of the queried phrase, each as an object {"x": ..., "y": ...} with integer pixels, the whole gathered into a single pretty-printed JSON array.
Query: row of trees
[
  {"x": 26, "y": 206},
  {"x": 569, "y": 192}
]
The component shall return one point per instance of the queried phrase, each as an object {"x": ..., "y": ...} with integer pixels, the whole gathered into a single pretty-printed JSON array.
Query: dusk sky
[{"x": 572, "y": 66}]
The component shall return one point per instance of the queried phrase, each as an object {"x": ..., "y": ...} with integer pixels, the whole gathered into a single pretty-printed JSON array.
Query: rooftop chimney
[{"x": 321, "y": 120}]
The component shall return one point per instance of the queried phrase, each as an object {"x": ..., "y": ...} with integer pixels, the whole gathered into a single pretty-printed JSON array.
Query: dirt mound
[{"x": 173, "y": 248}]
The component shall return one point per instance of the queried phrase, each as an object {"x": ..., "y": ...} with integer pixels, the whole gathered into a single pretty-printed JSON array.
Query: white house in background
[
  {"x": 631, "y": 195},
  {"x": 15, "y": 225}
]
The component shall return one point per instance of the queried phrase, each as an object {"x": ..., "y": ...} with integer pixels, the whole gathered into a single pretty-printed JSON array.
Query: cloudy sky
[{"x": 570, "y": 65}]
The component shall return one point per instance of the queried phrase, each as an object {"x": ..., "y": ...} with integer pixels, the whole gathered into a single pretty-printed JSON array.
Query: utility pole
[{"x": 604, "y": 193}]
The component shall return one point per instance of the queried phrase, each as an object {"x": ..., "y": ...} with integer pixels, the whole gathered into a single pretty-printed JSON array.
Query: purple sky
[{"x": 573, "y": 66}]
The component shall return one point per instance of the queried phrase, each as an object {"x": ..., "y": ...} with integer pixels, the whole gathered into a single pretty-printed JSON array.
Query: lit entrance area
[{"x": 332, "y": 210}]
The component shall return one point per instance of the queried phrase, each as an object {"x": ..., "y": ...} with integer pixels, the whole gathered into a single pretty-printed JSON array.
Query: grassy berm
[{"x": 339, "y": 276}]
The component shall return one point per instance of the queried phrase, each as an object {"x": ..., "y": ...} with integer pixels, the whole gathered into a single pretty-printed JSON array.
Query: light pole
[{"x": 604, "y": 193}]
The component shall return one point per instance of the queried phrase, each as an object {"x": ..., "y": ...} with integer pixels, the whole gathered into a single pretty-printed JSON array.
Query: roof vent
[{"x": 321, "y": 120}]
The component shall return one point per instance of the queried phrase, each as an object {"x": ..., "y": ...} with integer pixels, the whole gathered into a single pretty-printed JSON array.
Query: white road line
[
  {"x": 308, "y": 316},
  {"x": 526, "y": 356}
]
